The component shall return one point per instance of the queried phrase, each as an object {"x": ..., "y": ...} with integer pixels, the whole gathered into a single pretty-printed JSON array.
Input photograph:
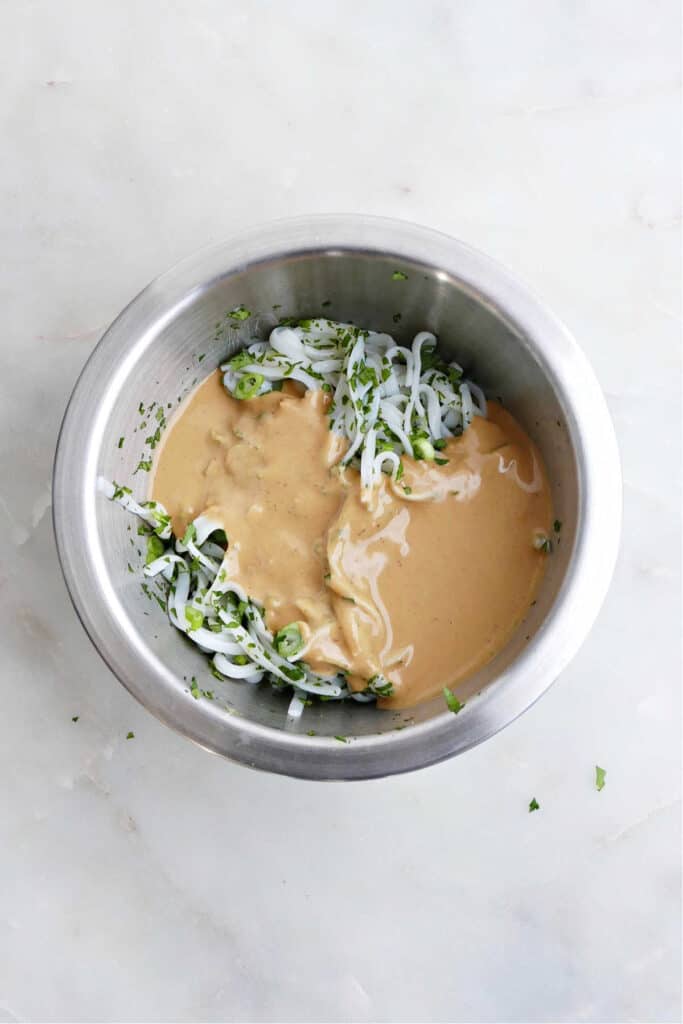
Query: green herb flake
[
  {"x": 194, "y": 688},
  {"x": 341, "y": 739},
  {"x": 557, "y": 525},
  {"x": 201, "y": 356},
  {"x": 144, "y": 464},
  {"x": 533, "y": 805},
  {"x": 398, "y": 275},
  {"x": 441, "y": 462},
  {"x": 194, "y": 617},
  {"x": 130, "y": 736},
  {"x": 408, "y": 490},
  {"x": 600, "y": 776},
  {"x": 240, "y": 313},
  {"x": 141, "y": 409},
  {"x": 155, "y": 548},
  {"x": 120, "y": 444},
  {"x": 311, "y": 732},
  {"x": 75, "y": 718},
  {"x": 452, "y": 701},
  {"x": 190, "y": 534}
]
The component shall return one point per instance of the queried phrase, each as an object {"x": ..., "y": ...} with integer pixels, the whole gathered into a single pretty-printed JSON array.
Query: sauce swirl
[{"x": 422, "y": 581}]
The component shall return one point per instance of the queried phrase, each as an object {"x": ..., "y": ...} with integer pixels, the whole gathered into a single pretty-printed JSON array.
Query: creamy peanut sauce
[{"x": 422, "y": 581}]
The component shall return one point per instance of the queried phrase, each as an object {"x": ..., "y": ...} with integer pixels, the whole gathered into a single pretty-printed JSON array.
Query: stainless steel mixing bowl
[{"x": 175, "y": 332}]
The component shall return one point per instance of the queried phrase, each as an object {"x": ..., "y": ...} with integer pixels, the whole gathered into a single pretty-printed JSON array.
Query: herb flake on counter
[
  {"x": 534, "y": 805},
  {"x": 130, "y": 736},
  {"x": 398, "y": 275},
  {"x": 600, "y": 776},
  {"x": 75, "y": 718},
  {"x": 452, "y": 701},
  {"x": 144, "y": 464},
  {"x": 342, "y": 739},
  {"x": 120, "y": 444}
]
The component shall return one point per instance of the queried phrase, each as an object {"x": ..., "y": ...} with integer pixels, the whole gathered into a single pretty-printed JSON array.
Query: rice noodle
[{"x": 385, "y": 396}]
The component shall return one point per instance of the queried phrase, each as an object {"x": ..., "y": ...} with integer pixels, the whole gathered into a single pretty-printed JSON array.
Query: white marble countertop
[{"x": 148, "y": 881}]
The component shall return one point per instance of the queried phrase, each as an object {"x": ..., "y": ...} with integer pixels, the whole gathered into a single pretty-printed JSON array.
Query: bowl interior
[{"x": 168, "y": 354}]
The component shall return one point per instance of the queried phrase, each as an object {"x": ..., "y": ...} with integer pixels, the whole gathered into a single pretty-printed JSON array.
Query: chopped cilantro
[
  {"x": 533, "y": 805},
  {"x": 380, "y": 686},
  {"x": 398, "y": 275},
  {"x": 119, "y": 491},
  {"x": 75, "y": 718},
  {"x": 130, "y": 736},
  {"x": 600, "y": 775},
  {"x": 240, "y": 313},
  {"x": 190, "y": 534},
  {"x": 194, "y": 617},
  {"x": 342, "y": 739},
  {"x": 155, "y": 548},
  {"x": 121, "y": 440},
  {"x": 144, "y": 464},
  {"x": 452, "y": 701}
]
